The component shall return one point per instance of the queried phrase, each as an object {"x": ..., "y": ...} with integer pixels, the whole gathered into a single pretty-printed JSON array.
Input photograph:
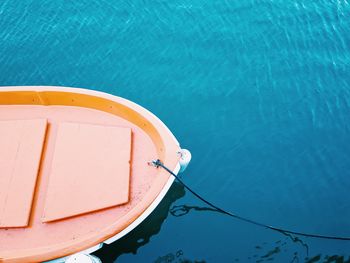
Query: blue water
[{"x": 258, "y": 90}]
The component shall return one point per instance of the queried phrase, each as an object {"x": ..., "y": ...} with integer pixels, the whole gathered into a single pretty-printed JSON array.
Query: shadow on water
[
  {"x": 151, "y": 226},
  {"x": 181, "y": 210},
  {"x": 141, "y": 234},
  {"x": 268, "y": 252},
  {"x": 328, "y": 259},
  {"x": 177, "y": 257}
]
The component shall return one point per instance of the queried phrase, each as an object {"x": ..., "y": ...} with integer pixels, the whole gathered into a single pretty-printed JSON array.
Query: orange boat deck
[{"x": 87, "y": 179}]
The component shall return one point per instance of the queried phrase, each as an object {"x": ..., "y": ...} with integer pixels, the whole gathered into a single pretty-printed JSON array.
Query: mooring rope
[{"x": 158, "y": 163}]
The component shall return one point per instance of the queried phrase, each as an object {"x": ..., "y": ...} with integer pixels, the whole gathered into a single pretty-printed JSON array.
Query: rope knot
[{"x": 156, "y": 163}]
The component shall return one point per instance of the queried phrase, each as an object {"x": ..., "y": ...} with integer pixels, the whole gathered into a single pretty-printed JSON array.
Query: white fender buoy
[
  {"x": 82, "y": 258},
  {"x": 185, "y": 158}
]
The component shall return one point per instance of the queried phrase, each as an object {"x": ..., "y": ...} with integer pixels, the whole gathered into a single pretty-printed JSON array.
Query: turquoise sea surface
[{"x": 258, "y": 90}]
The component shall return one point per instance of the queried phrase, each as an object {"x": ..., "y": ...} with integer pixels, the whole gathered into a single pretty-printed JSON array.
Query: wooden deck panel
[
  {"x": 90, "y": 170},
  {"x": 21, "y": 143}
]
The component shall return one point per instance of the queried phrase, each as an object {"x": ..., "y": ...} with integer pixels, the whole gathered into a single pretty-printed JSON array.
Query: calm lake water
[{"x": 258, "y": 90}]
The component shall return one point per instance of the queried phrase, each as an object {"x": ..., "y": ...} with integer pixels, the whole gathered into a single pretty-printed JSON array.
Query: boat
[{"x": 75, "y": 171}]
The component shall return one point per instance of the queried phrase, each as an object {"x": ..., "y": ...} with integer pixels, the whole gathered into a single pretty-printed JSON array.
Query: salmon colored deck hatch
[
  {"x": 74, "y": 169},
  {"x": 21, "y": 145},
  {"x": 90, "y": 170}
]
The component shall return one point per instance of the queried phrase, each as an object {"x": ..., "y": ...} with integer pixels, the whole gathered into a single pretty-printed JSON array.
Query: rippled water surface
[{"x": 258, "y": 90}]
